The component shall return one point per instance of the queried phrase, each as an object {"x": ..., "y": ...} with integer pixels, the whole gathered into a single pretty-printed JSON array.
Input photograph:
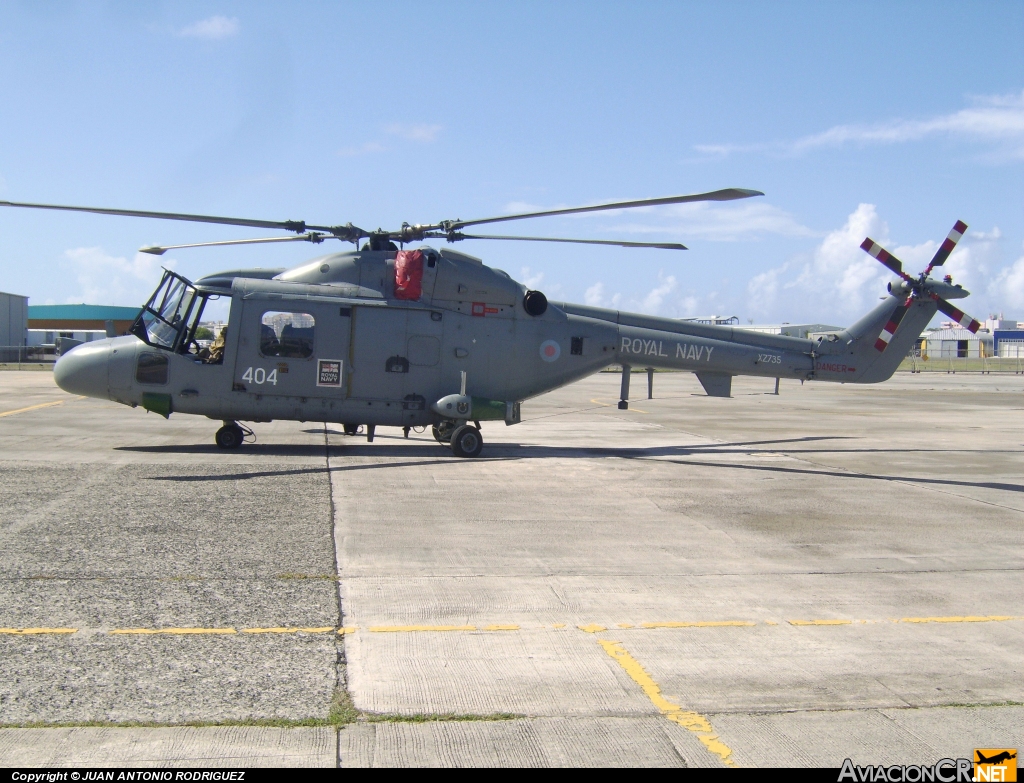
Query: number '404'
[{"x": 259, "y": 376}]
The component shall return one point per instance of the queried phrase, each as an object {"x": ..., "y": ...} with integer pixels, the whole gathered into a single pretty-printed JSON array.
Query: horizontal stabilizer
[{"x": 716, "y": 384}]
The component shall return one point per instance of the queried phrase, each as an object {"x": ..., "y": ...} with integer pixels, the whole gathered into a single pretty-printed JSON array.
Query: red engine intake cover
[{"x": 408, "y": 274}]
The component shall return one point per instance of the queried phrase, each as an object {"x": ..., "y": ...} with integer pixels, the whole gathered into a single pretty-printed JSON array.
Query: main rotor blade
[
  {"x": 956, "y": 314},
  {"x": 875, "y": 250},
  {"x": 455, "y": 236},
  {"x": 287, "y": 225},
  {"x": 312, "y": 236},
  {"x": 947, "y": 246},
  {"x": 729, "y": 194}
]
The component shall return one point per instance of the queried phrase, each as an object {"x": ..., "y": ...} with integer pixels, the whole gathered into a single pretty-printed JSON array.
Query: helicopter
[{"x": 385, "y": 335}]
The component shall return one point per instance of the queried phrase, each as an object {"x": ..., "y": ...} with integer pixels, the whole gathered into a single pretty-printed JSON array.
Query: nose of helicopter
[{"x": 83, "y": 370}]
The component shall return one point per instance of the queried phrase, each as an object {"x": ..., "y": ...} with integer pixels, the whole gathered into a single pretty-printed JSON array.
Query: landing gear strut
[
  {"x": 230, "y": 436},
  {"x": 443, "y": 432}
]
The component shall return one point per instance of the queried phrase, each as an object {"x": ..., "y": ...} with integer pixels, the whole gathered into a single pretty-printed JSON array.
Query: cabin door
[{"x": 292, "y": 348}]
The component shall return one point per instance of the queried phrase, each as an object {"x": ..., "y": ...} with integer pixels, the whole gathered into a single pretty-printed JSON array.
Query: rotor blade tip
[{"x": 153, "y": 251}]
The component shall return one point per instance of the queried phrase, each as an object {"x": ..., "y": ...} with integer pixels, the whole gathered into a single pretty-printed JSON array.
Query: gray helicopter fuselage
[{"x": 359, "y": 353}]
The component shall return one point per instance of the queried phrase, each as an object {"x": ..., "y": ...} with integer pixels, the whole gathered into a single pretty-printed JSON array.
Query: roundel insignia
[{"x": 550, "y": 350}]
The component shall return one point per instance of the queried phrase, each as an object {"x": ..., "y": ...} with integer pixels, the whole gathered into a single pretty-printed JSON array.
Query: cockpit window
[
  {"x": 170, "y": 317},
  {"x": 287, "y": 334}
]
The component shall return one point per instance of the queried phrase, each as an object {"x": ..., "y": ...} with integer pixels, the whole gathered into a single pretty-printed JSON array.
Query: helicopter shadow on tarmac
[{"x": 414, "y": 450}]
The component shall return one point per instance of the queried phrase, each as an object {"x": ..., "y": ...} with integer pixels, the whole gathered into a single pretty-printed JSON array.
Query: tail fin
[{"x": 870, "y": 357}]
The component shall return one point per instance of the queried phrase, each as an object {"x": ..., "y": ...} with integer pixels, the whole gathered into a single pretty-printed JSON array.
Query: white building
[
  {"x": 793, "y": 330},
  {"x": 955, "y": 343}
]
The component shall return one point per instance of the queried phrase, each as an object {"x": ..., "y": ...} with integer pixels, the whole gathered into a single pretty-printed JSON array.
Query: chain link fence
[
  {"x": 954, "y": 364},
  {"x": 27, "y": 357}
]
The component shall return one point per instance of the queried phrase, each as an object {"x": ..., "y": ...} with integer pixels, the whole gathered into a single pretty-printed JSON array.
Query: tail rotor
[{"x": 922, "y": 286}]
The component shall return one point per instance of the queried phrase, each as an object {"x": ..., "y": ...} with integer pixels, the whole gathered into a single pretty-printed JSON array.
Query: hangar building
[
  {"x": 13, "y": 323},
  {"x": 80, "y": 322}
]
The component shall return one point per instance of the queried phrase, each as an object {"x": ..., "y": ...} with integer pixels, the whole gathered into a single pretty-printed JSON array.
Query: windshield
[{"x": 169, "y": 318}]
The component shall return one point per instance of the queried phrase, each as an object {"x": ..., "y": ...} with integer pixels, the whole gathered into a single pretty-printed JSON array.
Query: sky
[{"x": 883, "y": 119}]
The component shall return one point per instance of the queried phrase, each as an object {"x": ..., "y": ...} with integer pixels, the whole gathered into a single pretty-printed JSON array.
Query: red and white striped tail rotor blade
[
  {"x": 957, "y": 315},
  {"x": 889, "y": 330},
  {"x": 947, "y": 246},
  {"x": 875, "y": 250}
]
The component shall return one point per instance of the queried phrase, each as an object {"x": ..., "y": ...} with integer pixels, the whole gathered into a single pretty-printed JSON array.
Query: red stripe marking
[{"x": 880, "y": 344}]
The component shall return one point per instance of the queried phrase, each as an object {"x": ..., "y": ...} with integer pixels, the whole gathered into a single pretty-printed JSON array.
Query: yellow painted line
[
  {"x": 592, "y": 628},
  {"x": 624, "y": 625},
  {"x": 609, "y": 405},
  {"x": 418, "y": 628},
  {"x": 33, "y": 408},
  {"x": 32, "y": 631},
  {"x": 691, "y": 721},
  {"x": 819, "y": 622},
  {"x": 328, "y": 629},
  {"x": 989, "y": 619},
  {"x": 347, "y": 629},
  {"x": 501, "y": 627},
  {"x": 171, "y": 631},
  {"x": 558, "y": 625},
  {"x": 699, "y": 624}
]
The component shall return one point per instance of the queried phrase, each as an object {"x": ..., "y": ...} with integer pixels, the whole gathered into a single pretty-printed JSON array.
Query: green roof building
[{"x": 80, "y": 317}]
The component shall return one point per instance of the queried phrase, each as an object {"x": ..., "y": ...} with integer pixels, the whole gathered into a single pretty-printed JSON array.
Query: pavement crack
[{"x": 342, "y": 708}]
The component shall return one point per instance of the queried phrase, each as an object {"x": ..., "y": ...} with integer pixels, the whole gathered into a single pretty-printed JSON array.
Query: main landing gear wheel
[
  {"x": 442, "y": 432},
  {"x": 229, "y": 436},
  {"x": 467, "y": 441}
]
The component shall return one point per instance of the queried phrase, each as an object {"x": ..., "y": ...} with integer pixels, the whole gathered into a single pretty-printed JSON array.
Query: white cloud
[
  {"x": 212, "y": 29},
  {"x": 724, "y": 150},
  {"x": 840, "y": 279},
  {"x": 689, "y": 306},
  {"x": 422, "y": 134},
  {"x": 531, "y": 280},
  {"x": 106, "y": 279},
  {"x": 652, "y": 302},
  {"x": 594, "y": 295},
  {"x": 719, "y": 223},
  {"x": 516, "y": 207},
  {"x": 1007, "y": 289},
  {"x": 417, "y": 132},
  {"x": 366, "y": 148},
  {"x": 995, "y": 119},
  {"x": 840, "y": 282}
]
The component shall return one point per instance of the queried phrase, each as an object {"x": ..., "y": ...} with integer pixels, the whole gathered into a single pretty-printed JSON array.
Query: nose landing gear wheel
[
  {"x": 229, "y": 436},
  {"x": 467, "y": 441}
]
